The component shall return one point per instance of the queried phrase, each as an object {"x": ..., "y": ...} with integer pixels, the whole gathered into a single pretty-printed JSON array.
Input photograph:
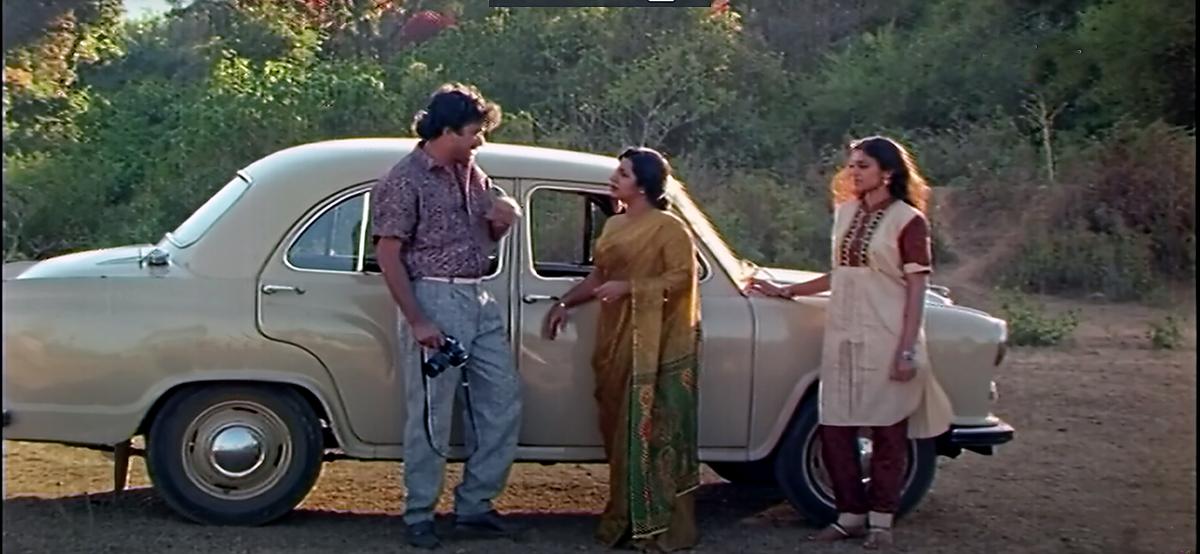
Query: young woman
[{"x": 875, "y": 370}]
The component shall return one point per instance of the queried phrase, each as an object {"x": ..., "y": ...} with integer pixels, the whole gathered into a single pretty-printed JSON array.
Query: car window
[
  {"x": 564, "y": 226},
  {"x": 203, "y": 218},
  {"x": 332, "y": 241},
  {"x": 371, "y": 262}
]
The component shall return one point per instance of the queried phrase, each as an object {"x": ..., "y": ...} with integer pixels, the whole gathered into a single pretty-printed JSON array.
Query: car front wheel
[
  {"x": 234, "y": 454},
  {"x": 801, "y": 472}
]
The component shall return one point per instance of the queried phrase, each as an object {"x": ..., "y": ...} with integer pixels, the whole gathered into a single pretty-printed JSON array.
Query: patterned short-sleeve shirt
[{"x": 438, "y": 213}]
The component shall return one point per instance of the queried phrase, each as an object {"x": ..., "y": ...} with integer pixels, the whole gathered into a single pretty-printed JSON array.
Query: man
[{"x": 436, "y": 220}]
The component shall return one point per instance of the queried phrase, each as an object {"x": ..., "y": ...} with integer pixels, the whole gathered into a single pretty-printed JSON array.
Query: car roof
[{"x": 372, "y": 157}]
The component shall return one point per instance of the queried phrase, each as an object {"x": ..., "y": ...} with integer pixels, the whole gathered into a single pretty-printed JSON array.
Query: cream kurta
[{"x": 862, "y": 332}]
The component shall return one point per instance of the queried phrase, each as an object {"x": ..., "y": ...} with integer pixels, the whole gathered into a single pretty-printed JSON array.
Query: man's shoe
[
  {"x": 422, "y": 535},
  {"x": 490, "y": 524}
]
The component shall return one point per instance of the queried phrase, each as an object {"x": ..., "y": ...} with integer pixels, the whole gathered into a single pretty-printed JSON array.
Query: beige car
[{"x": 255, "y": 341}]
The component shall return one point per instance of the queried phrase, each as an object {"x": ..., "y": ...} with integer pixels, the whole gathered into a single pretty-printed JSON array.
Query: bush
[
  {"x": 1029, "y": 325},
  {"x": 1165, "y": 334},
  {"x": 975, "y": 153},
  {"x": 1077, "y": 260},
  {"x": 1145, "y": 180},
  {"x": 1127, "y": 226}
]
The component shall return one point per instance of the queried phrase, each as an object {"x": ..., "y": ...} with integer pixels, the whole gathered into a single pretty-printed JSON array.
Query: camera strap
[{"x": 466, "y": 388}]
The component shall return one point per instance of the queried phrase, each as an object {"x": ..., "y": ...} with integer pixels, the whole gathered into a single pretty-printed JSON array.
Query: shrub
[
  {"x": 1165, "y": 334},
  {"x": 1127, "y": 224},
  {"x": 1146, "y": 179},
  {"x": 1029, "y": 325},
  {"x": 1077, "y": 260}
]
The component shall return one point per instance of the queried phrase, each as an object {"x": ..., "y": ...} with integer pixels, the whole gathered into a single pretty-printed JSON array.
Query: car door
[
  {"x": 557, "y": 239},
  {"x": 558, "y": 232},
  {"x": 322, "y": 291}
]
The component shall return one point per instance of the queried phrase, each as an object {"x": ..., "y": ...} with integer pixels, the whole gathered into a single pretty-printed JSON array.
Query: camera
[{"x": 451, "y": 354}]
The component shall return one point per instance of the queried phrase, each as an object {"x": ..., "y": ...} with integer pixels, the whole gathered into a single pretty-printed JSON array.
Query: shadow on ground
[{"x": 137, "y": 520}]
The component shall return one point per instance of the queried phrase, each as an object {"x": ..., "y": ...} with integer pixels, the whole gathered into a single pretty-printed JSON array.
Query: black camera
[{"x": 451, "y": 354}]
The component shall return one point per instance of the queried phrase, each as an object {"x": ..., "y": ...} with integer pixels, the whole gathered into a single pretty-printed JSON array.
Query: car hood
[
  {"x": 108, "y": 262},
  {"x": 936, "y": 294}
]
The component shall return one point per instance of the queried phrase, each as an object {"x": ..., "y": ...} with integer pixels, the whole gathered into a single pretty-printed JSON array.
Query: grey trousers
[{"x": 470, "y": 314}]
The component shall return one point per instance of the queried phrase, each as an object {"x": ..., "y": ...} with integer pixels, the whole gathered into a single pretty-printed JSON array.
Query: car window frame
[
  {"x": 706, "y": 270},
  {"x": 173, "y": 237},
  {"x": 331, "y": 203}
]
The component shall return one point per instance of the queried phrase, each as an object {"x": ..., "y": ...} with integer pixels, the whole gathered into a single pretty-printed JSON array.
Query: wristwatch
[{"x": 908, "y": 355}]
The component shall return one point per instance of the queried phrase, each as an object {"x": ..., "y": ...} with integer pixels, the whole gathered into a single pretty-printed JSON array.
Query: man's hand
[
  {"x": 504, "y": 212},
  {"x": 427, "y": 334}
]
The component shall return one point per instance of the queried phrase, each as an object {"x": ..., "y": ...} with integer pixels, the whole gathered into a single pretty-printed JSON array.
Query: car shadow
[{"x": 137, "y": 513}]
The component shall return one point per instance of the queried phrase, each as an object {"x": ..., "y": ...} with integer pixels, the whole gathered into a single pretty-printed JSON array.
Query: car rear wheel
[
  {"x": 234, "y": 454},
  {"x": 801, "y": 472}
]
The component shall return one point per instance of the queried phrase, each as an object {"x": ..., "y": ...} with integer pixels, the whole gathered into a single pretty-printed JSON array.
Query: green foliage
[
  {"x": 1067, "y": 260},
  {"x": 115, "y": 131},
  {"x": 1144, "y": 178},
  {"x": 1131, "y": 222},
  {"x": 768, "y": 222},
  {"x": 989, "y": 151},
  {"x": 896, "y": 78},
  {"x": 1125, "y": 59},
  {"x": 1030, "y": 325},
  {"x": 1165, "y": 334}
]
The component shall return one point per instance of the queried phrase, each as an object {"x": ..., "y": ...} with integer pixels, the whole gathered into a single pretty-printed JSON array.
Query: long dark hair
[
  {"x": 906, "y": 183},
  {"x": 651, "y": 170},
  {"x": 454, "y": 106}
]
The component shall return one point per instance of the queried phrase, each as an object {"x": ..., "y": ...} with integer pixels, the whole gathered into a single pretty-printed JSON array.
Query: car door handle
[
  {"x": 272, "y": 289},
  {"x": 534, "y": 298}
]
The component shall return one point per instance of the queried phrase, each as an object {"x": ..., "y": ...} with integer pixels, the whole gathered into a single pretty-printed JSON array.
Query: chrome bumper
[
  {"x": 981, "y": 440},
  {"x": 991, "y": 435}
]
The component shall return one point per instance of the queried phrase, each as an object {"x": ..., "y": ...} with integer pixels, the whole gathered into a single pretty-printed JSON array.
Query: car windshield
[
  {"x": 202, "y": 219},
  {"x": 708, "y": 234}
]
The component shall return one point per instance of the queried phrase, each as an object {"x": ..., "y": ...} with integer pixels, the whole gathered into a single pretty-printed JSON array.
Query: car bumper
[{"x": 981, "y": 440}]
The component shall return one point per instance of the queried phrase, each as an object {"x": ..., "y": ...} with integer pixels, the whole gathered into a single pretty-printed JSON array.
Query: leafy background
[{"x": 1067, "y": 124}]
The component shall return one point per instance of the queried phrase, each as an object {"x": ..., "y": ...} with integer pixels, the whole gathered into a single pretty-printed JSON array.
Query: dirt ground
[{"x": 1104, "y": 461}]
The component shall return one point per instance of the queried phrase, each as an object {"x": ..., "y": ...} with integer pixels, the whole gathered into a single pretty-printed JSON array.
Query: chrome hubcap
[
  {"x": 236, "y": 450},
  {"x": 818, "y": 475}
]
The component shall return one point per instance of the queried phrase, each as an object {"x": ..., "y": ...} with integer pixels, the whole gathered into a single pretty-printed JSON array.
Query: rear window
[{"x": 203, "y": 219}]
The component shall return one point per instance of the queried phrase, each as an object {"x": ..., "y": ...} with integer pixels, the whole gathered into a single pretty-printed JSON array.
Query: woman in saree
[
  {"x": 645, "y": 359},
  {"x": 875, "y": 370}
]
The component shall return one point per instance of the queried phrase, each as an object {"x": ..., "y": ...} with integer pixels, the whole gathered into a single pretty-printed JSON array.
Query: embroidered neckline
[{"x": 872, "y": 225}]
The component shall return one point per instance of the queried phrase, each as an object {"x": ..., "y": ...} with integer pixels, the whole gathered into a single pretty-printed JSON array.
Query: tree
[{"x": 28, "y": 21}]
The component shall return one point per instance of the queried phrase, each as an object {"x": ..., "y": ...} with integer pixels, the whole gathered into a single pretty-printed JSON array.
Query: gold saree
[{"x": 645, "y": 364}]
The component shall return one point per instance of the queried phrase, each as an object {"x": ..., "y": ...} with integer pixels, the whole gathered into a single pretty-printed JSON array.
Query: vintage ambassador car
[{"x": 254, "y": 341}]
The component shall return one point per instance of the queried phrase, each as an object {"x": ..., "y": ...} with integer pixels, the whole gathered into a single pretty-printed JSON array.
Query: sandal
[
  {"x": 878, "y": 538},
  {"x": 835, "y": 532}
]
